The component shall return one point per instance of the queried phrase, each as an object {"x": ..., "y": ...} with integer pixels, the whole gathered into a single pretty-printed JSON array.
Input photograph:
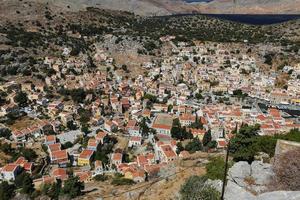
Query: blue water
[
  {"x": 256, "y": 19},
  {"x": 196, "y": 1}
]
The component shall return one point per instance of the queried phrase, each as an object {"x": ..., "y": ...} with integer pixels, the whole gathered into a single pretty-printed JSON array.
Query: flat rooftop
[{"x": 163, "y": 119}]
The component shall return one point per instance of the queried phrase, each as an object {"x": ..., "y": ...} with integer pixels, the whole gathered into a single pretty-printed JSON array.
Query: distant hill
[{"x": 168, "y": 7}]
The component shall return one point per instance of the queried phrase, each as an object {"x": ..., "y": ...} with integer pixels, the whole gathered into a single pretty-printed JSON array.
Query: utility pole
[{"x": 225, "y": 171}]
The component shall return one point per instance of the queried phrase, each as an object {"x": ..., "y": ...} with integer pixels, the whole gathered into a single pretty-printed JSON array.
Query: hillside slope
[{"x": 168, "y": 7}]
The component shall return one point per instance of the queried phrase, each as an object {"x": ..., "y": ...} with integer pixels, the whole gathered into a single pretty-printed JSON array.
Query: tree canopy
[
  {"x": 21, "y": 99},
  {"x": 73, "y": 187}
]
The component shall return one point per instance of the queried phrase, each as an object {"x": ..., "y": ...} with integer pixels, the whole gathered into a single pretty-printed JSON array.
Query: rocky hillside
[
  {"x": 29, "y": 31},
  {"x": 168, "y": 7}
]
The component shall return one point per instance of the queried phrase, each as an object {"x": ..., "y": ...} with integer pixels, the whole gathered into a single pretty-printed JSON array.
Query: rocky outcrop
[{"x": 249, "y": 182}]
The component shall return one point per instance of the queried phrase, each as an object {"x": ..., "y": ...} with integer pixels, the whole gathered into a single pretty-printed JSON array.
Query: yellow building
[
  {"x": 85, "y": 157},
  {"x": 295, "y": 101}
]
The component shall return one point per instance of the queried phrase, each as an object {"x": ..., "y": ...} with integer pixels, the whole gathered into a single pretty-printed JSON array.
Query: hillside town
[{"x": 93, "y": 117}]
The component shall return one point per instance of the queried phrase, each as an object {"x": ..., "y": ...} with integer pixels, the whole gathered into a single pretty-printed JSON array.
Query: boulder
[
  {"x": 238, "y": 172},
  {"x": 280, "y": 195},
  {"x": 234, "y": 191},
  {"x": 261, "y": 172}
]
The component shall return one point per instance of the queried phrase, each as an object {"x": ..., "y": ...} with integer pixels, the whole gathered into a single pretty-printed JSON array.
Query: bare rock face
[
  {"x": 249, "y": 182},
  {"x": 280, "y": 195},
  {"x": 238, "y": 172},
  {"x": 234, "y": 191},
  {"x": 261, "y": 172},
  {"x": 253, "y": 178}
]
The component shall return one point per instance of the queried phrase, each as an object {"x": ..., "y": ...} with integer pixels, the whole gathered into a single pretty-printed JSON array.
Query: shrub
[
  {"x": 195, "y": 188},
  {"x": 122, "y": 181},
  {"x": 100, "y": 177},
  {"x": 215, "y": 168}
]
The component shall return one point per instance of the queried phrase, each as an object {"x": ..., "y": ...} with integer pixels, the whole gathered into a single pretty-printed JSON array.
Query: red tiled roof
[
  {"x": 9, "y": 168},
  {"x": 116, "y": 156},
  {"x": 20, "y": 161},
  {"x": 61, "y": 154},
  {"x": 50, "y": 138},
  {"x": 136, "y": 138},
  {"x": 54, "y": 147},
  {"x": 161, "y": 126},
  {"x": 168, "y": 151},
  {"x": 86, "y": 154}
]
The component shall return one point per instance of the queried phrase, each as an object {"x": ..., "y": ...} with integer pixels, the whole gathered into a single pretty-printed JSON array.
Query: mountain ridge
[{"x": 170, "y": 7}]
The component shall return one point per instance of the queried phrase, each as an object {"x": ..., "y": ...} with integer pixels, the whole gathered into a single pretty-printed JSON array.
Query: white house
[{"x": 10, "y": 171}]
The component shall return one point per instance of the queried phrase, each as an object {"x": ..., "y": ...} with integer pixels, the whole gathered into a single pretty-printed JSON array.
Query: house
[
  {"x": 116, "y": 159},
  {"x": 50, "y": 139},
  {"x": 98, "y": 168},
  {"x": 54, "y": 147},
  {"x": 59, "y": 173},
  {"x": 65, "y": 117},
  {"x": 221, "y": 143},
  {"x": 19, "y": 136},
  {"x": 163, "y": 124},
  {"x": 92, "y": 144},
  {"x": 59, "y": 157},
  {"x": 153, "y": 170},
  {"x": 143, "y": 160},
  {"x": 10, "y": 171},
  {"x": 84, "y": 176},
  {"x": 135, "y": 174},
  {"x": 109, "y": 126},
  {"x": 85, "y": 157},
  {"x": 134, "y": 131},
  {"x": 184, "y": 154},
  {"x": 198, "y": 133},
  {"x": 146, "y": 113},
  {"x": 131, "y": 124},
  {"x": 100, "y": 136},
  {"x": 187, "y": 119},
  {"x": 23, "y": 163},
  {"x": 166, "y": 153},
  {"x": 135, "y": 141}
]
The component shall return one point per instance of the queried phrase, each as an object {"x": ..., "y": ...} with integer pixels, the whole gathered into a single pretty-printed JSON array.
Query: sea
[
  {"x": 256, "y": 19},
  {"x": 250, "y": 19}
]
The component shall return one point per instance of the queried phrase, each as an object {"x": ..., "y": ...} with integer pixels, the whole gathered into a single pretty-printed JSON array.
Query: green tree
[
  {"x": 180, "y": 148},
  {"x": 241, "y": 144},
  {"x": 197, "y": 124},
  {"x": 73, "y": 187},
  {"x": 207, "y": 138},
  {"x": 178, "y": 132},
  {"x": 212, "y": 144},
  {"x": 7, "y": 191},
  {"x": 27, "y": 185},
  {"x": 71, "y": 125},
  {"x": 55, "y": 190},
  {"x": 5, "y": 133},
  {"x": 85, "y": 115},
  {"x": 21, "y": 99},
  {"x": 194, "y": 145},
  {"x": 78, "y": 95},
  {"x": 195, "y": 188},
  {"x": 144, "y": 127},
  {"x": 29, "y": 154}
]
